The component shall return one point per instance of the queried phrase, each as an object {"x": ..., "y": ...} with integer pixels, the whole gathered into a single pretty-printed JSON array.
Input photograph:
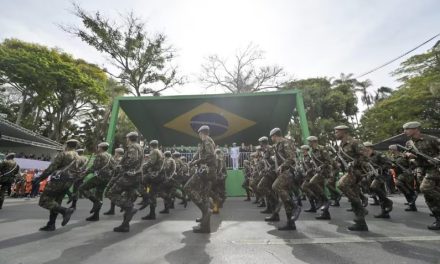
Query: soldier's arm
[
  {"x": 289, "y": 155},
  {"x": 54, "y": 165}
]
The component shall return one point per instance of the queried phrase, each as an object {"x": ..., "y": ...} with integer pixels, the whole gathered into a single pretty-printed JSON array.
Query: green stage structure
[{"x": 240, "y": 118}]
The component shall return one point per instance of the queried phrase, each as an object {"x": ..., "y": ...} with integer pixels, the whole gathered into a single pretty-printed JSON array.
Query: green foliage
[
  {"x": 327, "y": 105},
  {"x": 56, "y": 89},
  {"x": 142, "y": 61},
  {"x": 414, "y": 101}
]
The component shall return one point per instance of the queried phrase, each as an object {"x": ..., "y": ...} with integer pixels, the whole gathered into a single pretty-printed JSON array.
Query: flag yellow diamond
[{"x": 221, "y": 122}]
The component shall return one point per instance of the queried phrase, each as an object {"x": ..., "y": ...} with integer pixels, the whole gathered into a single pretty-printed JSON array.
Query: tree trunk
[{"x": 21, "y": 110}]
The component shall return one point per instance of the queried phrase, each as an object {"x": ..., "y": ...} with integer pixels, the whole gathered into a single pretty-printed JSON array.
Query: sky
[{"x": 306, "y": 38}]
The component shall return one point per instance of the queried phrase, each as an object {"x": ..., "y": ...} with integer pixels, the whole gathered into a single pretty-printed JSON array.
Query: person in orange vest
[{"x": 28, "y": 182}]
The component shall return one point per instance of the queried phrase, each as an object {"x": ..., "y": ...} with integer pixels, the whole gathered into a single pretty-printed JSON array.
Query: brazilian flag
[{"x": 242, "y": 118}]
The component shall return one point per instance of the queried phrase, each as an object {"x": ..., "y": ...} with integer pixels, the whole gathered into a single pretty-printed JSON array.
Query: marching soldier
[
  {"x": 119, "y": 153},
  {"x": 74, "y": 195},
  {"x": 102, "y": 169},
  {"x": 285, "y": 160},
  {"x": 323, "y": 169},
  {"x": 354, "y": 151},
  {"x": 405, "y": 177},
  {"x": 199, "y": 186},
  {"x": 309, "y": 171},
  {"x": 9, "y": 169},
  {"x": 64, "y": 171},
  {"x": 152, "y": 177},
  {"x": 123, "y": 191},
  {"x": 167, "y": 187},
  {"x": 425, "y": 150},
  {"x": 247, "y": 178},
  {"x": 218, "y": 186},
  {"x": 380, "y": 164}
]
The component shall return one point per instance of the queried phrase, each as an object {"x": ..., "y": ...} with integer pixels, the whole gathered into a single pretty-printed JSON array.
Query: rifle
[
  {"x": 433, "y": 161},
  {"x": 343, "y": 161}
]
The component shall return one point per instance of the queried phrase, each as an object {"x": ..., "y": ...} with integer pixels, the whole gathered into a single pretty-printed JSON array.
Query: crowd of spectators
[
  {"x": 23, "y": 155},
  {"x": 23, "y": 187}
]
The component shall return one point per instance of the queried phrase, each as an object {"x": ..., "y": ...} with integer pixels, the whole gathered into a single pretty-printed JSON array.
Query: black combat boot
[
  {"x": 290, "y": 224},
  {"x": 65, "y": 212},
  {"x": 388, "y": 205},
  {"x": 359, "y": 225},
  {"x": 50, "y": 226},
  {"x": 248, "y": 196},
  {"x": 111, "y": 211},
  {"x": 129, "y": 212},
  {"x": 411, "y": 208},
  {"x": 269, "y": 208},
  {"x": 172, "y": 206},
  {"x": 205, "y": 223},
  {"x": 151, "y": 215},
  {"x": 275, "y": 217},
  {"x": 94, "y": 217},
  {"x": 384, "y": 214},
  {"x": 184, "y": 202},
  {"x": 375, "y": 200},
  {"x": 336, "y": 201},
  {"x": 262, "y": 204},
  {"x": 312, "y": 208},
  {"x": 364, "y": 200},
  {"x": 325, "y": 215},
  {"x": 97, "y": 204},
  {"x": 436, "y": 224}
]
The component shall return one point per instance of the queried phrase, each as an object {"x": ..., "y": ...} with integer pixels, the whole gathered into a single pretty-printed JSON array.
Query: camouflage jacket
[
  {"x": 155, "y": 161},
  {"x": 380, "y": 161},
  {"x": 399, "y": 162},
  {"x": 132, "y": 159},
  {"x": 321, "y": 158},
  {"x": 103, "y": 165},
  {"x": 267, "y": 157},
  {"x": 428, "y": 145},
  {"x": 205, "y": 153},
  {"x": 66, "y": 159},
  {"x": 82, "y": 163},
  {"x": 220, "y": 164},
  {"x": 169, "y": 167},
  {"x": 8, "y": 170},
  {"x": 352, "y": 150},
  {"x": 285, "y": 153},
  {"x": 117, "y": 159}
]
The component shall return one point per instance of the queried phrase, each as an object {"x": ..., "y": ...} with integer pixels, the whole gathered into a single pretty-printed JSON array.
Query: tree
[
  {"x": 243, "y": 75},
  {"x": 58, "y": 89},
  {"x": 366, "y": 97},
  {"x": 382, "y": 93},
  {"x": 413, "y": 100},
  {"x": 327, "y": 105},
  {"x": 143, "y": 61}
]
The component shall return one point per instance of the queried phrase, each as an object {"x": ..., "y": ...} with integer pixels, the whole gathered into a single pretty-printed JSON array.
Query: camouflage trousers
[
  {"x": 198, "y": 189},
  {"x": 264, "y": 188},
  {"x": 123, "y": 192},
  {"x": 331, "y": 185},
  {"x": 218, "y": 189},
  {"x": 283, "y": 186},
  {"x": 97, "y": 183},
  {"x": 53, "y": 194},
  {"x": 254, "y": 184},
  {"x": 349, "y": 184},
  {"x": 168, "y": 190},
  {"x": 316, "y": 187},
  {"x": 405, "y": 183},
  {"x": 430, "y": 187},
  {"x": 377, "y": 187}
]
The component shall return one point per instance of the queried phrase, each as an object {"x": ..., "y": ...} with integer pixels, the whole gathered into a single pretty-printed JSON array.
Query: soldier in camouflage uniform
[
  {"x": 152, "y": 178},
  {"x": 119, "y": 153},
  {"x": 381, "y": 165},
  {"x": 247, "y": 178},
  {"x": 219, "y": 185},
  {"x": 167, "y": 187},
  {"x": 128, "y": 173},
  {"x": 309, "y": 171},
  {"x": 335, "y": 195},
  {"x": 353, "y": 152},
  {"x": 74, "y": 194},
  {"x": 405, "y": 177},
  {"x": 425, "y": 150},
  {"x": 64, "y": 170},
  {"x": 255, "y": 163},
  {"x": 179, "y": 179},
  {"x": 323, "y": 169},
  {"x": 283, "y": 185},
  {"x": 199, "y": 186},
  {"x": 266, "y": 167},
  {"x": 9, "y": 170},
  {"x": 183, "y": 177},
  {"x": 102, "y": 169}
]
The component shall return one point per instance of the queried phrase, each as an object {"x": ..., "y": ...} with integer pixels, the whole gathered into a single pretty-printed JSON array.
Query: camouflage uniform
[
  {"x": 266, "y": 167},
  {"x": 256, "y": 176},
  {"x": 309, "y": 172},
  {"x": 335, "y": 195},
  {"x": 247, "y": 178},
  {"x": 127, "y": 177},
  {"x": 430, "y": 173},
  {"x": 9, "y": 170},
  {"x": 64, "y": 170},
  {"x": 322, "y": 162},
  {"x": 381, "y": 164},
  {"x": 405, "y": 179},
  {"x": 283, "y": 184},
  {"x": 219, "y": 185},
  {"x": 167, "y": 187},
  {"x": 74, "y": 194},
  {"x": 353, "y": 150},
  {"x": 152, "y": 177},
  {"x": 102, "y": 168},
  {"x": 198, "y": 187}
]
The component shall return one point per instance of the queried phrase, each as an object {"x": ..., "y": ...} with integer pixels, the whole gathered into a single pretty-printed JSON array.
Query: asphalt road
[{"x": 239, "y": 236}]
